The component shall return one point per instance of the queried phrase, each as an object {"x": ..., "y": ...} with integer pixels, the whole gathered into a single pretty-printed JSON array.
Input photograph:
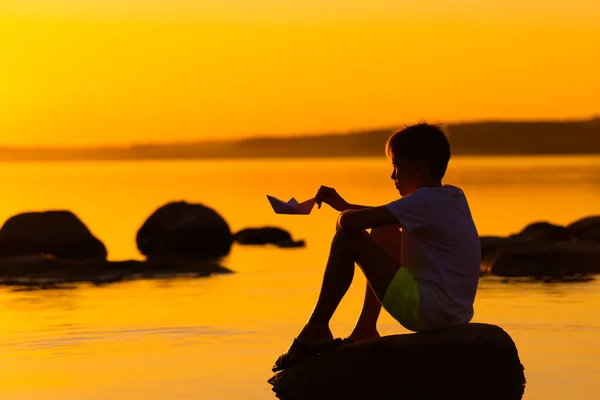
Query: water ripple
[{"x": 72, "y": 337}]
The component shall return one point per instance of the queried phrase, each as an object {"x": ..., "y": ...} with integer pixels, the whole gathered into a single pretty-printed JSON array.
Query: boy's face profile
[{"x": 407, "y": 174}]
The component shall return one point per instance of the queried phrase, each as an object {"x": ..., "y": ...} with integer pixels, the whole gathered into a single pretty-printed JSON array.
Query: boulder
[
  {"x": 469, "y": 362},
  {"x": 545, "y": 250},
  {"x": 558, "y": 259},
  {"x": 492, "y": 246},
  {"x": 56, "y": 233},
  {"x": 184, "y": 230},
  {"x": 545, "y": 232},
  {"x": 266, "y": 235},
  {"x": 532, "y": 234},
  {"x": 586, "y": 229}
]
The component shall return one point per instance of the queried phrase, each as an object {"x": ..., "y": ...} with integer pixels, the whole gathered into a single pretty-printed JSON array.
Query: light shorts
[{"x": 401, "y": 300}]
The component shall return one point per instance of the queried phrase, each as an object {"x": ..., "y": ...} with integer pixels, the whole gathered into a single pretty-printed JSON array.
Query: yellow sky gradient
[{"x": 114, "y": 72}]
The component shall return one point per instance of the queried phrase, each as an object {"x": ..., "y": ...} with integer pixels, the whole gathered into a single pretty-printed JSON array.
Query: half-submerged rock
[
  {"x": 586, "y": 229},
  {"x": 55, "y": 233},
  {"x": 184, "y": 230},
  {"x": 556, "y": 260},
  {"x": 470, "y": 362},
  {"x": 267, "y": 235},
  {"x": 545, "y": 251}
]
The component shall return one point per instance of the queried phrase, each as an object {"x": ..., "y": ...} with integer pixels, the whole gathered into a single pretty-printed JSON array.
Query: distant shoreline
[
  {"x": 275, "y": 158},
  {"x": 476, "y": 139}
]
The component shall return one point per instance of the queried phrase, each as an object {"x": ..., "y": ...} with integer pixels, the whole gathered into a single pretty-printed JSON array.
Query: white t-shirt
[{"x": 440, "y": 247}]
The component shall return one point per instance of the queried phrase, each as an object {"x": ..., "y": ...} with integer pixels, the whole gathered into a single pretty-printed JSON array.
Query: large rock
[
  {"x": 184, "y": 230},
  {"x": 470, "y": 362},
  {"x": 533, "y": 234},
  {"x": 545, "y": 232},
  {"x": 492, "y": 246},
  {"x": 267, "y": 235},
  {"x": 557, "y": 260},
  {"x": 57, "y": 233},
  {"x": 545, "y": 250},
  {"x": 586, "y": 229}
]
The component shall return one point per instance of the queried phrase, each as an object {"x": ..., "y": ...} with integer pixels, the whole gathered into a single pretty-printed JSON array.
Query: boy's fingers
[
  {"x": 323, "y": 193},
  {"x": 319, "y": 193}
]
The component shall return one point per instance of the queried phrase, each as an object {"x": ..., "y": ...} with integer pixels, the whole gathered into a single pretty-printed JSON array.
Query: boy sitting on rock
[{"x": 421, "y": 258}]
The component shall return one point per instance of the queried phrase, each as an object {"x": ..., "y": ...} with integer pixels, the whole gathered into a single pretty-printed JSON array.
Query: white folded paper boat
[{"x": 292, "y": 206}]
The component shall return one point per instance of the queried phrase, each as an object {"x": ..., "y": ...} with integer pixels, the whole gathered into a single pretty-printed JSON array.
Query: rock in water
[
  {"x": 586, "y": 229},
  {"x": 267, "y": 235},
  {"x": 545, "y": 251},
  {"x": 184, "y": 230},
  {"x": 545, "y": 232},
  {"x": 57, "y": 233},
  {"x": 557, "y": 259},
  {"x": 470, "y": 362},
  {"x": 492, "y": 246}
]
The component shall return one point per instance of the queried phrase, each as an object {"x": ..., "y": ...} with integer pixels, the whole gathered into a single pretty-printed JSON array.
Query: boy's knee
[{"x": 349, "y": 236}]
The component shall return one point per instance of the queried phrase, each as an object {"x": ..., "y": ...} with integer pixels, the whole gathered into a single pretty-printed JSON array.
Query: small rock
[{"x": 267, "y": 235}]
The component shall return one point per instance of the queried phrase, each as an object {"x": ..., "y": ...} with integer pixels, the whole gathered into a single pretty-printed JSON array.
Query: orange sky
[{"x": 118, "y": 71}]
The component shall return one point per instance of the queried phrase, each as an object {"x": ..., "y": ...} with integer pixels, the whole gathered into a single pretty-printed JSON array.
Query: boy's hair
[{"x": 421, "y": 141}]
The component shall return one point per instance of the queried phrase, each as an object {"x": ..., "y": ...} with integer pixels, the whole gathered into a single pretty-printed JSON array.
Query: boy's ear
[{"x": 420, "y": 165}]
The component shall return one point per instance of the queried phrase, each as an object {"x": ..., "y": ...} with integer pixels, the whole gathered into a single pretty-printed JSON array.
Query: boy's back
[{"x": 441, "y": 249}]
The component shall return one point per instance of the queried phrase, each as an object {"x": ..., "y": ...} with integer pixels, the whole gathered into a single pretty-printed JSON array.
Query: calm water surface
[{"x": 217, "y": 337}]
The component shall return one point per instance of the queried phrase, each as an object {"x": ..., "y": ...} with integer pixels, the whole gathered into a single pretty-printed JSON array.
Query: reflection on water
[{"x": 217, "y": 337}]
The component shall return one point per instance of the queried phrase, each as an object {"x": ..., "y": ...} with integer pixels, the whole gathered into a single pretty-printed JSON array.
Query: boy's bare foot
[
  {"x": 358, "y": 335},
  {"x": 311, "y": 341},
  {"x": 315, "y": 336}
]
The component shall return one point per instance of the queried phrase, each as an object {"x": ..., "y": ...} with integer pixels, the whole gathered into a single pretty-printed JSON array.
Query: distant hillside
[{"x": 484, "y": 138}]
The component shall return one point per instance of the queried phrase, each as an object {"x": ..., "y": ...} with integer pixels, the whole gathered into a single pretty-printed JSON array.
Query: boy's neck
[{"x": 431, "y": 183}]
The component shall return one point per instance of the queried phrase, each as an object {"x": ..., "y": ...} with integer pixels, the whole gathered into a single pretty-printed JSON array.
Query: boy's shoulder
[
  {"x": 445, "y": 188},
  {"x": 429, "y": 207},
  {"x": 444, "y": 192}
]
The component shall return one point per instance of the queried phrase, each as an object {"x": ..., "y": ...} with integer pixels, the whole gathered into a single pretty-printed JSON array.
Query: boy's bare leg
[
  {"x": 348, "y": 247},
  {"x": 390, "y": 239},
  {"x": 366, "y": 326}
]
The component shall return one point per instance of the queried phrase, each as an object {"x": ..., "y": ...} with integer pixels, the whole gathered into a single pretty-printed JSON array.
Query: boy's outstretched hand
[{"x": 330, "y": 196}]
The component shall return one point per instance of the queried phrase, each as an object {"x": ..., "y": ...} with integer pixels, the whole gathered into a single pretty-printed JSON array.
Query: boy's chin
[{"x": 404, "y": 191}]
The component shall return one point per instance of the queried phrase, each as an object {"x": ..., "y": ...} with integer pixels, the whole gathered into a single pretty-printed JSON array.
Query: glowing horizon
[{"x": 135, "y": 71}]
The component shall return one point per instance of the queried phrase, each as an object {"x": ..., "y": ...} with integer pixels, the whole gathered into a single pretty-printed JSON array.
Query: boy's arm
[
  {"x": 366, "y": 218},
  {"x": 356, "y": 207}
]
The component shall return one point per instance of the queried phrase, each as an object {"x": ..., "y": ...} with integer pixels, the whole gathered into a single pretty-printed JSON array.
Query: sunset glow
[{"x": 100, "y": 72}]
